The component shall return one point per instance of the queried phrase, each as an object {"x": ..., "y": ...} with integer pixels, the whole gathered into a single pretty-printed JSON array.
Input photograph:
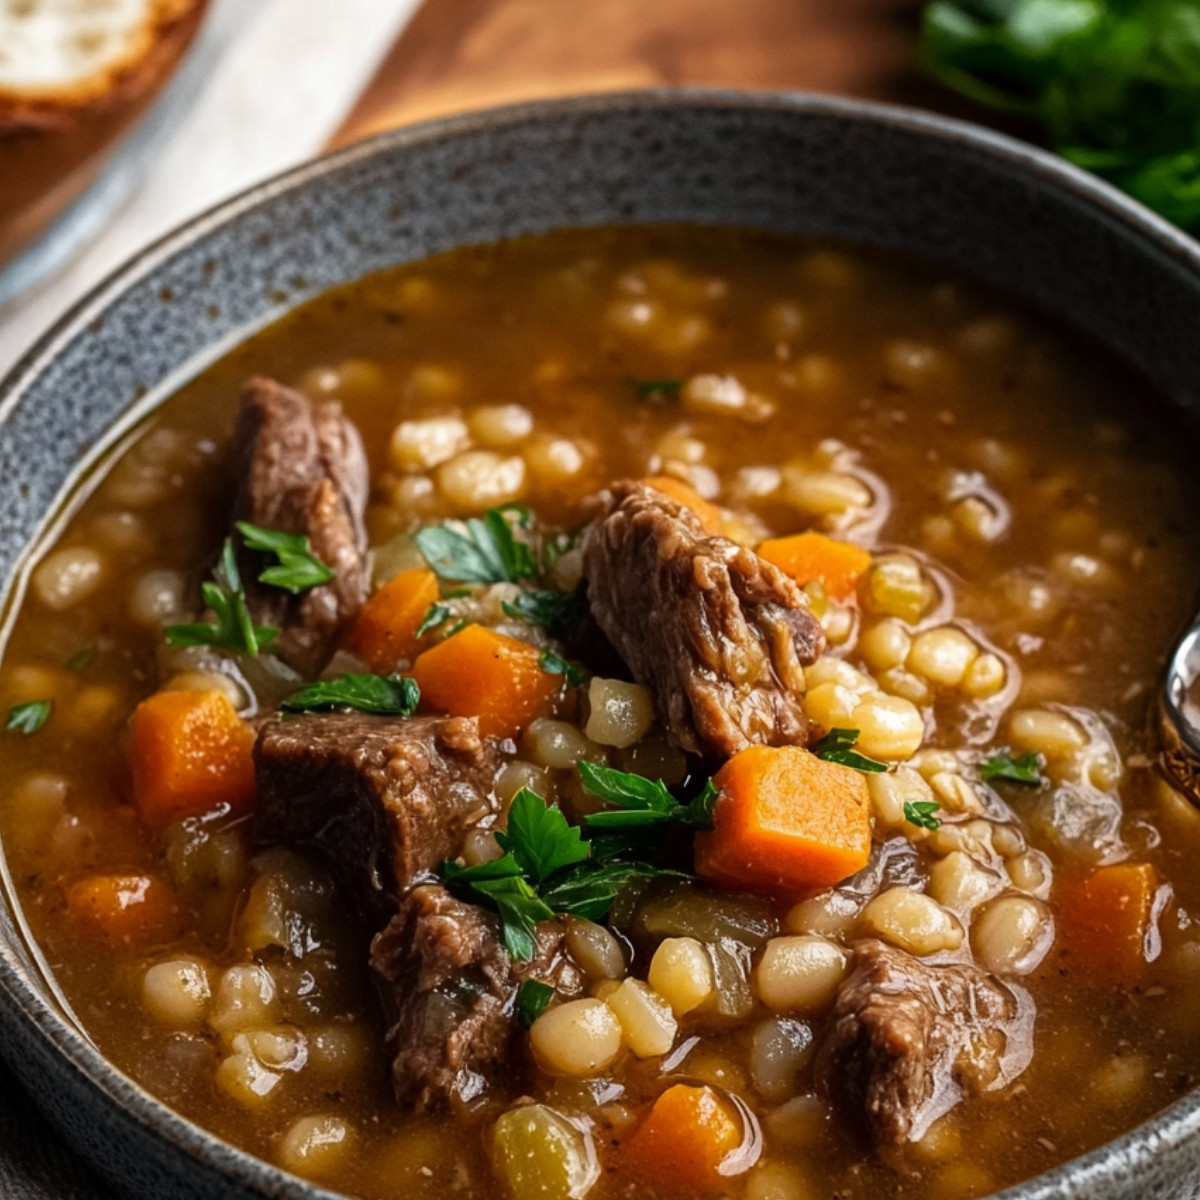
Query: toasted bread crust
[{"x": 153, "y": 51}]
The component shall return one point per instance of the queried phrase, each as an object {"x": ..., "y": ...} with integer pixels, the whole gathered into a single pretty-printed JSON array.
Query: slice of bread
[
  {"x": 62, "y": 60},
  {"x": 75, "y": 77}
]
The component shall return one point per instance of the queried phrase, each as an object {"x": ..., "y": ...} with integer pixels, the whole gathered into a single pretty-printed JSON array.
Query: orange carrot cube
[
  {"x": 1106, "y": 916},
  {"x": 385, "y": 633},
  {"x": 191, "y": 754},
  {"x": 123, "y": 908},
  {"x": 785, "y": 818},
  {"x": 480, "y": 673},
  {"x": 711, "y": 517},
  {"x": 687, "y": 1142},
  {"x": 809, "y": 557}
]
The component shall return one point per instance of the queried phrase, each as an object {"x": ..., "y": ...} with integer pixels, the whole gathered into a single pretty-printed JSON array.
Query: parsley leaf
[
  {"x": 503, "y": 884},
  {"x": 589, "y": 890},
  {"x": 533, "y": 997},
  {"x": 655, "y": 390},
  {"x": 478, "y": 550},
  {"x": 920, "y": 813},
  {"x": 392, "y": 695},
  {"x": 298, "y": 568},
  {"x": 546, "y": 870},
  {"x": 1025, "y": 768},
  {"x": 559, "y": 613},
  {"x": 80, "y": 658},
  {"x": 555, "y": 664},
  {"x": 835, "y": 747},
  {"x": 438, "y": 614},
  {"x": 29, "y": 717},
  {"x": 642, "y": 802},
  {"x": 233, "y": 629},
  {"x": 539, "y": 838}
]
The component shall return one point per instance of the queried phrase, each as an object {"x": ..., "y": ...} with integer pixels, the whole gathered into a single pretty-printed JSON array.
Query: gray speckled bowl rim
[{"x": 23, "y": 996}]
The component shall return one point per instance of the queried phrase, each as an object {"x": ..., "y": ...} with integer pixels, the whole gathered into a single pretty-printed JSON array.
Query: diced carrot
[
  {"x": 191, "y": 754},
  {"x": 123, "y": 908},
  {"x": 1106, "y": 916},
  {"x": 689, "y": 1134},
  {"x": 480, "y": 673},
  {"x": 385, "y": 632},
  {"x": 785, "y": 818},
  {"x": 806, "y": 557},
  {"x": 711, "y": 517}
]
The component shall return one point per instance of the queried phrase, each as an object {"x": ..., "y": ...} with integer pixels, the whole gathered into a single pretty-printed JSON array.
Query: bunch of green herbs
[{"x": 1115, "y": 84}]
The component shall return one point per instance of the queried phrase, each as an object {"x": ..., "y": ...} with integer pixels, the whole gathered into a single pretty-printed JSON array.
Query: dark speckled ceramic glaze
[{"x": 982, "y": 204}]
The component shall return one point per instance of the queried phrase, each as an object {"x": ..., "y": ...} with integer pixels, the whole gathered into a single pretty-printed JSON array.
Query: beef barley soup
[{"x": 626, "y": 713}]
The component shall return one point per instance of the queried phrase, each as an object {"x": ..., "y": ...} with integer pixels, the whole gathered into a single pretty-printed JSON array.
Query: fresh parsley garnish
[
  {"x": 546, "y": 870},
  {"x": 298, "y": 568},
  {"x": 837, "y": 747},
  {"x": 655, "y": 390},
  {"x": 643, "y": 808},
  {"x": 438, "y": 614},
  {"x": 920, "y": 813},
  {"x": 502, "y": 885},
  {"x": 539, "y": 837},
  {"x": 480, "y": 550},
  {"x": 80, "y": 658},
  {"x": 391, "y": 695},
  {"x": 1025, "y": 768},
  {"x": 590, "y": 889},
  {"x": 233, "y": 629},
  {"x": 29, "y": 717},
  {"x": 559, "y": 613},
  {"x": 533, "y": 998},
  {"x": 1116, "y": 86},
  {"x": 555, "y": 664}
]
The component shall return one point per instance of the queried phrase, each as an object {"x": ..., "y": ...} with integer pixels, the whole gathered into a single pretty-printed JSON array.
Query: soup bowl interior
[{"x": 980, "y": 204}]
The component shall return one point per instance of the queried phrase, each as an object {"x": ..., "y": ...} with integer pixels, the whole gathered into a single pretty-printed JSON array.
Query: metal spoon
[{"x": 1180, "y": 713}]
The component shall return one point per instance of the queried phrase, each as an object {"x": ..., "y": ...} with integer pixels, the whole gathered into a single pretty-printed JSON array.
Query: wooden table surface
[{"x": 457, "y": 55}]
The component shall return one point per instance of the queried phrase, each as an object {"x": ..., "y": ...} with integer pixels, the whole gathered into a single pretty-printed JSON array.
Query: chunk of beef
[
  {"x": 300, "y": 468},
  {"x": 718, "y": 635},
  {"x": 452, "y": 988},
  {"x": 384, "y": 798},
  {"x": 909, "y": 1039}
]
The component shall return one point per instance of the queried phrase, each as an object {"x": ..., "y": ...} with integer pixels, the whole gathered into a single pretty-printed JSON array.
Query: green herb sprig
[
  {"x": 29, "y": 717},
  {"x": 555, "y": 664},
  {"x": 642, "y": 813},
  {"x": 1024, "y": 769},
  {"x": 480, "y": 550},
  {"x": 437, "y": 614},
  {"x": 837, "y": 746},
  {"x": 389, "y": 695},
  {"x": 655, "y": 390},
  {"x": 232, "y": 628},
  {"x": 921, "y": 813},
  {"x": 546, "y": 870},
  {"x": 533, "y": 998},
  {"x": 297, "y": 569},
  {"x": 80, "y": 659},
  {"x": 1114, "y": 84},
  {"x": 559, "y": 613}
]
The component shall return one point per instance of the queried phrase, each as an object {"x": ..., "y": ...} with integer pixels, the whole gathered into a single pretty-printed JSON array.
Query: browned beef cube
[
  {"x": 910, "y": 1039},
  {"x": 300, "y": 468},
  {"x": 384, "y": 798},
  {"x": 453, "y": 992},
  {"x": 718, "y": 635}
]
